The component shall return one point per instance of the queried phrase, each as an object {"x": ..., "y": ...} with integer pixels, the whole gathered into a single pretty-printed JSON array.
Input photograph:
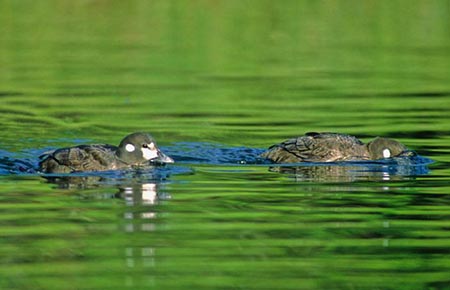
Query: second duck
[{"x": 332, "y": 147}]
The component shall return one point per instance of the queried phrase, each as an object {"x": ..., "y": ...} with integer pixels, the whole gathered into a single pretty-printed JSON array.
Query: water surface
[{"x": 216, "y": 82}]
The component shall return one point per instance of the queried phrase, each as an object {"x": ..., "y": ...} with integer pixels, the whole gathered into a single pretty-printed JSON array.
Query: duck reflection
[
  {"x": 395, "y": 169},
  {"x": 91, "y": 180},
  {"x": 140, "y": 199},
  {"x": 140, "y": 216},
  {"x": 145, "y": 194},
  {"x": 141, "y": 192}
]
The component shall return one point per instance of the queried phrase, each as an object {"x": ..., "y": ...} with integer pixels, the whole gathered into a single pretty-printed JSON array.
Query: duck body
[
  {"x": 332, "y": 147},
  {"x": 95, "y": 157},
  {"x": 134, "y": 150}
]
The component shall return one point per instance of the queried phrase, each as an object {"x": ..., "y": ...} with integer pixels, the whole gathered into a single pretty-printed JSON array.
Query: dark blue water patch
[
  {"x": 213, "y": 154},
  {"x": 11, "y": 164},
  {"x": 15, "y": 166}
]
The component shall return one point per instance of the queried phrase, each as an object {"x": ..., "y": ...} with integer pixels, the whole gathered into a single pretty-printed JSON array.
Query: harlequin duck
[
  {"x": 330, "y": 147},
  {"x": 134, "y": 149}
]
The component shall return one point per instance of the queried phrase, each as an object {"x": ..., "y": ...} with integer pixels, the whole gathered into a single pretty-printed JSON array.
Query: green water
[{"x": 210, "y": 80}]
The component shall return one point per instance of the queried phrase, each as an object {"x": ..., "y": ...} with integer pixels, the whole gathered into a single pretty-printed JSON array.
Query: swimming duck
[
  {"x": 134, "y": 150},
  {"x": 331, "y": 147}
]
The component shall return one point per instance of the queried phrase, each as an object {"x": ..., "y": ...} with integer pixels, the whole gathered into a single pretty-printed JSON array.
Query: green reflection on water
[
  {"x": 237, "y": 73},
  {"x": 232, "y": 234}
]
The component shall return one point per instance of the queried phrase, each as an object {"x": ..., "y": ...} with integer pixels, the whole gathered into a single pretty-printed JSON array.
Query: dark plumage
[
  {"x": 330, "y": 147},
  {"x": 134, "y": 149}
]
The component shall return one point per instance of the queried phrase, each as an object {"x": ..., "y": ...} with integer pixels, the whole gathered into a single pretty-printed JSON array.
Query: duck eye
[{"x": 144, "y": 145}]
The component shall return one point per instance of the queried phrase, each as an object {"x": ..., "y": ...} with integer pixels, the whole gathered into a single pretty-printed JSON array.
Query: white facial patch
[
  {"x": 149, "y": 153},
  {"x": 130, "y": 147},
  {"x": 386, "y": 153}
]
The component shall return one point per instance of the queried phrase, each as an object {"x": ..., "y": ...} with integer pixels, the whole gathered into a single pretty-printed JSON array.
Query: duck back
[
  {"x": 96, "y": 157},
  {"x": 317, "y": 147}
]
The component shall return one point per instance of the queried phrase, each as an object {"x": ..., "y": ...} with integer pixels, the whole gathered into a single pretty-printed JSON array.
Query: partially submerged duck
[
  {"x": 136, "y": 149},
  {"x": 332, "y": 147}
]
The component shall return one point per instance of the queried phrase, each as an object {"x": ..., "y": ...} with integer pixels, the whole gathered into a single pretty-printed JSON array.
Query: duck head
[
  {"x": 386, "y": 148},
  {"x": 138, "y": 148}
]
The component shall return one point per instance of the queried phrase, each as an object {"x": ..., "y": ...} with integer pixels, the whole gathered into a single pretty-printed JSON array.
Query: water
[{"x": 216, "y": 82}]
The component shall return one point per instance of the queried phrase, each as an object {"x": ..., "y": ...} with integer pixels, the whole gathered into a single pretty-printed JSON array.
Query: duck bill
[
  {"x": 162, "y": 158},
  {"x": 154, "y": 155}
]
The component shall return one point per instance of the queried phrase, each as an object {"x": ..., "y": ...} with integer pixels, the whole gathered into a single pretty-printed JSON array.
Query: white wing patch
[
  {"x": 386, "y": 153},
  {"x": 130, "y": 147}
]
